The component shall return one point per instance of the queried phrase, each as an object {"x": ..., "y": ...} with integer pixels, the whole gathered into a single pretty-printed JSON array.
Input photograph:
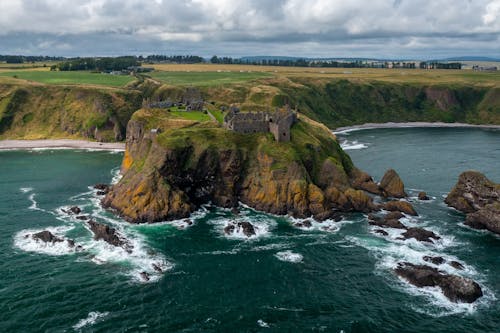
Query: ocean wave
[
  {"x": 26, "y": 189},
  {"x": 23, "y": 240},
  {"x": 289, "y": 256},
  {"x": 262, "y": 226},
  {"x": 354, "y": 145},
  {"x": 92, "y": 318}
]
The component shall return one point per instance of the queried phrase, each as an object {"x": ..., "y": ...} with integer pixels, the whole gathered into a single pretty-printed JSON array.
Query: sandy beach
[
  {"x": 347, "y": 129},
  {"x": 59, "y": 144}
]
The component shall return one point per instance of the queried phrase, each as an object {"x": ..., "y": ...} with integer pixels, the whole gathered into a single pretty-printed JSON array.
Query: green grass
[
  {"x": 206, "y": 78},
  {"x": 219, "y": 115},
  {"x": 191, "y": 115},
  {"x": 73, "y": 77}
]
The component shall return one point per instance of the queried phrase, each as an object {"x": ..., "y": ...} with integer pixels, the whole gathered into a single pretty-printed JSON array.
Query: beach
[{"x": 59, "y": 144}]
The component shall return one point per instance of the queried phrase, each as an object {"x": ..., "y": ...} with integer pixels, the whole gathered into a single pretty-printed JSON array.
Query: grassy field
[
  {"x": 71, "y": 78},
  {"x": 191, "y": 115},
  {"x": 206, "y": 78},
  {"x": 212, "y": 74}
]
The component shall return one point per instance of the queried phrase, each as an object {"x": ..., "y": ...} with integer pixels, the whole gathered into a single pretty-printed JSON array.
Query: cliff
[
  {"x": 45, "y": 111},
  {"x": 169, "y": 175}
]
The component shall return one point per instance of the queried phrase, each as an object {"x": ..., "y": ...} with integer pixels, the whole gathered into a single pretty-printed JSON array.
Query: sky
[{"x": 394, "y": 29}]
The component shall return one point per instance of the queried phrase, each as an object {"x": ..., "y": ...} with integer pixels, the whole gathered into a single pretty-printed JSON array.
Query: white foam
[
  {"x": 326, "y": 225},
  {"x": 289, "y": 256},
  {"x": 262, "y": 323},
  {"x": 24, "y": 241},
  {"x": 91, "y": 319},
  {"x": 262, "y": 226},
  {"x": 26, "y": 189},
  {"x": 116, "y": 175},
  {"x": 352, "y": 145}
]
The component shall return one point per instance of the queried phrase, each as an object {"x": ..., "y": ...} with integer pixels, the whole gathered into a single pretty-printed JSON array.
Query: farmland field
[
  {"x": 73, "y": 78},
  {"x": 206, "y": 78}
]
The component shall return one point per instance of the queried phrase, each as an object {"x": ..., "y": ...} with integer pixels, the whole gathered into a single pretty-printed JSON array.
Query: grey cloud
[{"x": 240, "y": 27}]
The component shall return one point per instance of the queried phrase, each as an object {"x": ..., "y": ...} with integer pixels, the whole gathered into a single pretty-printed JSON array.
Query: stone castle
[{"x": 278, "y": 122}]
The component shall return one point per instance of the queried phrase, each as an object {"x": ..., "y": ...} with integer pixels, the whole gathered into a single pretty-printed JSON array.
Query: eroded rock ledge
[{"x": 479, "y": 198}]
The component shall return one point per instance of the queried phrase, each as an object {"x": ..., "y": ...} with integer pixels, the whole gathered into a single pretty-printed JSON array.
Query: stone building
[
  {"x": 191, "y": 100},
  {"x": 278, "y": 122}
]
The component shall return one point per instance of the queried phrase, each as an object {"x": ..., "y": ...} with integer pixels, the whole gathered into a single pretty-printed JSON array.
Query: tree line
[
  {"x": 20, "y": 59},
  {"x": 97, "y": 64}
]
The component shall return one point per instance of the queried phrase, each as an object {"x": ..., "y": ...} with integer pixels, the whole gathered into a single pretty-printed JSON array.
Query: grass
[
  {"x": 219, "y": 115},
  {"x": 71, "y": 78},
  {"x": 191, "y": 115},
  {"x": 204, "y": 78}
]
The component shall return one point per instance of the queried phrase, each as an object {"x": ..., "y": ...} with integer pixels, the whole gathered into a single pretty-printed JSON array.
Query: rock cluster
[
  {"x": 478, "y": 198},
  {"x": 109, "y": 235},
  {"x": 454, "y": 287}
]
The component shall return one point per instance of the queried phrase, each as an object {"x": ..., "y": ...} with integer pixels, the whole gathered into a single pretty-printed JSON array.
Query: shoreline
[
  {"x": 417, "y": 124},
  {"x": 60, "y": 144}
]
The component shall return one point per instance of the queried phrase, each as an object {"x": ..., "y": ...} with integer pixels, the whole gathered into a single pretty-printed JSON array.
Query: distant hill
[{"x": 471, "y": 58}]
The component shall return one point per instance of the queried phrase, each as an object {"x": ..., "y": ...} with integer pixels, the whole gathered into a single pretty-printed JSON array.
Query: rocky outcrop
[
  {"x": 423, "y": 196},
  {"x": 391, "y": 185},
  {"x": 420, "y": 234},
  {"x": 479, "y": 198},
  {"x": 245, "y": 227},
  {"x": 109, "y": 235},
  {"x": 47, "y": 237},
  {"x": 170, "y": 175},
  {"x": 454, "y": 287},
  {"x": 400, "y": 206}
]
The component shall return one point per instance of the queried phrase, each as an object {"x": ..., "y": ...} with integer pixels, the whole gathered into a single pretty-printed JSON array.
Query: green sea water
[{"x": 336, "y": 277}]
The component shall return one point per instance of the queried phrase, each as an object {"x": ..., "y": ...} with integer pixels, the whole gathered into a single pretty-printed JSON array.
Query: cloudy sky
[{"x": 419, "y": 29}]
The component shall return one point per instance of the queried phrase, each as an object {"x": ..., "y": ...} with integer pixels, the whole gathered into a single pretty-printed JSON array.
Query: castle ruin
[{"x": 278, "y": 122}]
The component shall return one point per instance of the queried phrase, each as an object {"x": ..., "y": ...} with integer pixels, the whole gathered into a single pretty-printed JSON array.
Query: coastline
[
  {"x": 417, "y": 124},
  {"x": 59, "y": 144}
]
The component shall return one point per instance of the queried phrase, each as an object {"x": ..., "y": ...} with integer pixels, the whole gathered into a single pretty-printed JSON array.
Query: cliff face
[
  {"x": 169, "y": 175},
  {"x": 38, "y": 112}
]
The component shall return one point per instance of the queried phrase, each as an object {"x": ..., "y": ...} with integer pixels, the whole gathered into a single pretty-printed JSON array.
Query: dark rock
[
  {"x": 102, "y": 187},
  {"x": 79, "y": 248},
  {"x": 82, "y": 217},
  {"x": 392, "y": 185},
  {"x": 456, "y": 265},
  {"x": 420, "y": 234},
  {"x": 401, "y": 206},
  {"x": 435, "y": 260},
  {"x": 229, "y": 229},
  {"x": 395, "y": 215},
  {"x": 235, "y": 211},
  {"x": 188, "y": 222},
  {"x": 145, "y": 276},
  {"x": 307, "y": 223},
  {"x": 101, "y": 192},
  {"x": 72, "y": 210},
  {"x": 326, "y": 215},
  {"x": 47, "y": 237},
  {"x": 108, "y": 234},
  {"x": 248, "y": 228},
  {"x": 381, "y": 232},
  {"x": 454, "y": 287},
  {"x": 388, "y": 224},
  {"x": 71, "y": 243},
  {"x": 337, "y": 217},
  {"x": 157, "y": 268},
  {"x": 423, "y": 196}
]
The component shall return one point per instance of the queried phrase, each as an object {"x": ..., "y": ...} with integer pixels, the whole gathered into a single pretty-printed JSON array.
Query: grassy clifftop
[{"x": 45, "y": 111}]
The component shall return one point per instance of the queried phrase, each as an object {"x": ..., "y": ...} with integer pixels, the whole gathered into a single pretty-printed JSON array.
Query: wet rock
[
  {"x": 235, "y": 211},
  {"x": 388, "y": 221},
  {"x": 47, "y": 237},
  {"x": 101, "y": 192},
  {"x": 75, "y": 210},
  {"x": 487, "y": 217},
  {"x": 381, "y": 232},
  {"x": 392, "y": 185},
  {"x": 248, "y": 228},
  {"x": 303, "y": 224},
  {"x": 423, "y": 196},
  {"x": 229, "y": 229},
  {"x": 157, "y": 268},
  {"x": 108, "y": 234},
  {"x": 435, "y": 260},
  {"x": 188, "y": 222},
  {"x": 454, "y": 287},
  {"x": 144, "y": 276},
  {"x": 395, "y": 215},
  {"x": 82, "y": 217},
  {"x": 401, "y": 206},
  {"x": 456, "y": 265},
  {"x": 71, "y": 243},
  {"x": 102, "y": 187},
  {"x": 420, "y": 234}
]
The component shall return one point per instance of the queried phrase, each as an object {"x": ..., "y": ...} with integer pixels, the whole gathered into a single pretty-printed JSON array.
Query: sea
[{"x": 332, "y": 277}]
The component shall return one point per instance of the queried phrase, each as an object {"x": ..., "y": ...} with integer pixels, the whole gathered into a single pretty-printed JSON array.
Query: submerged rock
[
  {"x": 47, "y": 237},
  {"x": 392, "y": 185},
  {"x": 75, "y": 210},
  {"x": 144, "y": 276},
  {"x": 108, "y": 234},
  {"x": 246, "y": 227},
  {"x": 456, "y": 265},
  {"x": 454, "y": 287},
  {"x": 82, "y": 217},
  {"x": 381, "y": 232},
  {"x": 423, "y": 196},
  {"x": 479, "y": 198},
  {"x": 435, "y": 260}
]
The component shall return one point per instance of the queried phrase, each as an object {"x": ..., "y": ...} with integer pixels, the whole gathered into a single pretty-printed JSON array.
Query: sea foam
[{"x": 92, "y": 318}]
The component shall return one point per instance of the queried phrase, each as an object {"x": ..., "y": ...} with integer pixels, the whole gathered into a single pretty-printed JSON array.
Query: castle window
[
  {"x": 284, "y": 134},
  {"x": 270, "y": 120}
]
